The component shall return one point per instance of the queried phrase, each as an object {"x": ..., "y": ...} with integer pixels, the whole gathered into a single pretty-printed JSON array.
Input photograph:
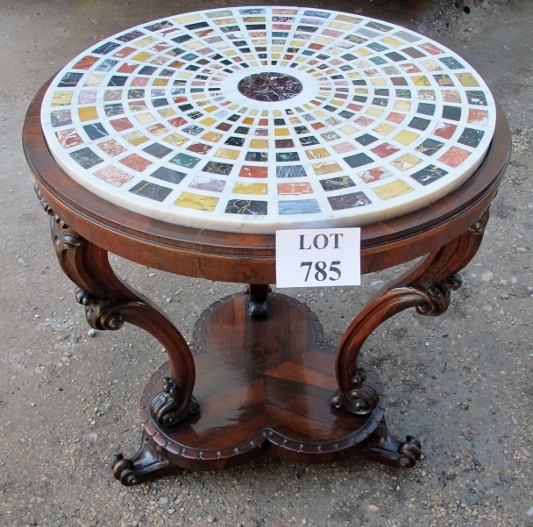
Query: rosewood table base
[{"x": 262, "y": 373}]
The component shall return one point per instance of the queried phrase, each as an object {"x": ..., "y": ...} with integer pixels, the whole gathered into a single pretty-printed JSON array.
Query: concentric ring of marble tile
[{"x": 347, "y": 120}]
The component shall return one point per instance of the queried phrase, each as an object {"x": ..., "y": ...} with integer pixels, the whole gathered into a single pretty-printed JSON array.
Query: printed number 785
[{"x": 322, "y": 271}]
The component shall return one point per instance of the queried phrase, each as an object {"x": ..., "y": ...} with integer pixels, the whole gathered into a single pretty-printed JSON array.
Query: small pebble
[{"x": 92, "y": 332}]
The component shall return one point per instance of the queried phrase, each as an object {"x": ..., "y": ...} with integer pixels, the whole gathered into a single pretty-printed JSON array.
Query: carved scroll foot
[
  {"x": 147, "y": 464},
  {"x": 386, "y": 449},
  {"x": 168, "y": 407},
  {"x": 363, "y": 398}
]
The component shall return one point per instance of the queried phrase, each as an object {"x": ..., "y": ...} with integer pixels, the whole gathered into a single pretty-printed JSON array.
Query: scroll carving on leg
[
  {"x": 427, "y": 287},
  {"x": 109, "y": 303}
]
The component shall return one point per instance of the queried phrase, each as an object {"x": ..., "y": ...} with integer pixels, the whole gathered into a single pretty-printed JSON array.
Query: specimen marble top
[{"x": 254, "y": 119}]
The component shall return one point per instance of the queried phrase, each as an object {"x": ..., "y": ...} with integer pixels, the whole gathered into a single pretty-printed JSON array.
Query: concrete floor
[{"x": 461, "y": 383}]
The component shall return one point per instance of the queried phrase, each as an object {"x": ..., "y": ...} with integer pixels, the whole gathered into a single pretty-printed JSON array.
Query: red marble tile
[
  {"x": 136, "y": 162},
  {"x": 395, "y": 117},
  {"x": 454, "y": 156},
  {"x": 253, "y": 171},
  {"x": 121, "y": 124},
  {"x": 385, "y": 150},
  {"x": 85, "y": 63},
  {"x": 69, "y": 138},
  {"x": 445, "y": 130},
  {"x": 114, "y": 176}
]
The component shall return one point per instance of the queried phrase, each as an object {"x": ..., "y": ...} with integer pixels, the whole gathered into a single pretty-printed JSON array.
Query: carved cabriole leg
[
  {"x": 109, "y": 303},
  {"x": 427, "y": 287}
]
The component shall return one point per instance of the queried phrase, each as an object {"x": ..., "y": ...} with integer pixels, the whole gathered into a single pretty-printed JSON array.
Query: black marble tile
[
  {"x": 169, "y": 175},
  {"x": 86, "y": 158},
  {"x": 349, "y": 201},
  {"x": 290, "y": 171},
  {"x": 70, "y": 80},
  {"x": 214, "y": 167},
  {"x": 336, "y": 183},
  {"x": 151, "y": 190},
  {"x": 95, "y": 131},
  {"x": 246, "y": 206},
  {"x": 157, "y": 150},
  {"x": 429, "y": 174},
  {"x": 430, "y": 147},
  {"x": 358, "y": 160},
  {"x": 471, "y": 137}
]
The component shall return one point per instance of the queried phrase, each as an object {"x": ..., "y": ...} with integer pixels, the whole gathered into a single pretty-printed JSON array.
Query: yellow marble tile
[
  {"x": 406, "y": 137},
  {"x": 190, "y": 200},
  {"x": 188, "y": 19},
  {"x": 348, "y": 18},
  {"x": 317, "y": 153},
  {"x": 295, "y": 120},
  {"x": 135, "y": 138},
  {"x": 230, "y": 53},
  {"x": 195, "y": 44},
  {"x": 63, "y": 98},
  {"x": 160, "y": 82},
  {"x": 145, "y": 118},
  {"x": 395, "y": 43},
  {"x": 225, "y": 21},
  {"x": 280, "y": 132},
  {"x": 88, "y": 113},
  {"x": 301, "y": 59},
  {"x": 467, "y": 80},
  {"x": 93, "y": 80},
  {"x": 374, "y": 112},
  {"x": 403, "y": 106},
  {"x": 361, "y": 90},
  {"x": 211, "y": 109},
  {"x": 143, "y": 56},
  {"x": 167, "y": 112},
  {"x": 208, "y": 121},
  {"x": 323, "y": 40},
  {"x": 340, "y": 25},
  {"x": 363, "y": 52},
  {"x": 336, "y": 102},
  {"x": 259, "y": 143},
  {"x": 378, "y": 82},
  {"x": 406, "y": 162},
  {"x": 248, "y": 120},
  {"x": 354, "y": 75},
  {"x": 227, "y": 153},
  {"x": 328, "y": 167},
  {"x": 176, "y": 139},
  {"x": 393, "y": 189},
  {"x": 420, "y": 80},
  {"x": 146, "y": 41},
  {"x": 213, "y": 137},
  {"x": 348, "y": 129},
  {"x": 184, "y": 75},
  {"x": 198, "y": 96},
  {"x": 384, "y": 128},
  {"x": 251, "y": 188}
]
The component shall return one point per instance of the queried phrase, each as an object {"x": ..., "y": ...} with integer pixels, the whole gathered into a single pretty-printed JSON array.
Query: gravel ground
[{"x": 460, "y": 382}]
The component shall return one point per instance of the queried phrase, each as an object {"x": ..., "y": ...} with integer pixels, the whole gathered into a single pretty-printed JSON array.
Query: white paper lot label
[{"x": 318, "y": 257}]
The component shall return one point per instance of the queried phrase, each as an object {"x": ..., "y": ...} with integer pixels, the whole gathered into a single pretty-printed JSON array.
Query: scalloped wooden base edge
[{"x": 261, "y": 383}]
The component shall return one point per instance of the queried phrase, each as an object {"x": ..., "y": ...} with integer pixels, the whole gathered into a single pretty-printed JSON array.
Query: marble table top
[{"x": 255, "y": 119}]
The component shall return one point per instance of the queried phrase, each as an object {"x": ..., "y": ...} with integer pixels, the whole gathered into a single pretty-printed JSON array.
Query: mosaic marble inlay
[{"x": 256, "y": 119}]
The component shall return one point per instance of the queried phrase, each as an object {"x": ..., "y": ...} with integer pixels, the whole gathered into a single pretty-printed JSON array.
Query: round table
[{"x": 184, "y": 144}]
